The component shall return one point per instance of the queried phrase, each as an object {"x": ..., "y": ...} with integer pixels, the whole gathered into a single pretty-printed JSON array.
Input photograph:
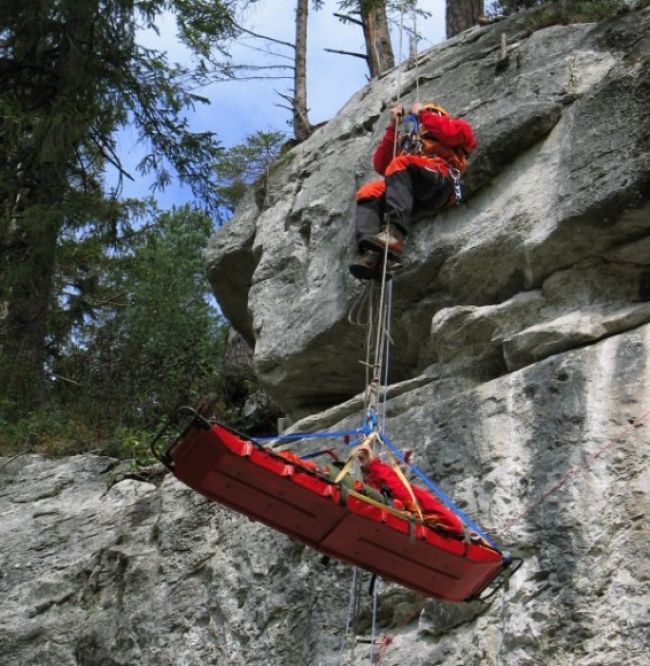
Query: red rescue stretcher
[{"x": 339, "y": 522}]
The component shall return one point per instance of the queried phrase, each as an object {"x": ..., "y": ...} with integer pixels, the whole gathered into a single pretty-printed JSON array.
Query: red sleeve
[
  {"x": 384, "y": 152},
  {"x": 380, "y": 475},
  {"x": 453, "y": 132}
]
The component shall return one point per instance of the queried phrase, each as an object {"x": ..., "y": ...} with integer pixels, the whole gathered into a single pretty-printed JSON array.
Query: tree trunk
[
  {"x": 462, "y": 14},
  {"x": 32, "y": 212},
  {"x": 377, "y": 36},
  {"x": 30, "y": 256},
  {"x": 301, "y": 126}
]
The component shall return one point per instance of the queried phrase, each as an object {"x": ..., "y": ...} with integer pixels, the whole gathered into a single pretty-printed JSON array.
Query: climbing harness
[
  {"x": 411, "y": 142},
  {"x": 407, "y": 131}
]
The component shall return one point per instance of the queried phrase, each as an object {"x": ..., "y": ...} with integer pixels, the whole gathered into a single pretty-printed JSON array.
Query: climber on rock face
[{"x": 420, "y": 171}]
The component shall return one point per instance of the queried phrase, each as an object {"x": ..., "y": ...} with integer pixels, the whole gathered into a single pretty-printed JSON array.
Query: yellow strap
[
  {"x": 407, "y": 485},
  {"x": 405, "y": 514},
  {"x": 364, "y": 446},
  {"x": 380, "y": 505}
]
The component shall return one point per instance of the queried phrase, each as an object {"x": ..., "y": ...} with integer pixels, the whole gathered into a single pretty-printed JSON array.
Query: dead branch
[
  {"x": 346, "y": 18},
  {"x": 266, "y": 37},
  {"x": 350, "y": 53}
]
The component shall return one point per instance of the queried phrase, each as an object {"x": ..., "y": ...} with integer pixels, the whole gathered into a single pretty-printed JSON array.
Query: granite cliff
[{"x": 520, "y": 377}]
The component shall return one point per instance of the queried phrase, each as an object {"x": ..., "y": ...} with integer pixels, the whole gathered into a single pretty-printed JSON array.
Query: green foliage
[
  {"x": 130, "y": 443},
  {"x": 247, "y": 164},
  {"x": 158, "y": 338},
  {"x": 510, "y": 6},
  {"x": 107, "y": 318},
  {"x": 205, "y": 25},
  {"x": 560, "y": 11},
  {"x": 137, "y": 334},
  {"x": 396, "y": 9},
  {"x": 579, "y": 11},
  {"x": 71, "y": 75},
  {"x": 395, "y": 6},
  {"x": 49, "y": 429}
]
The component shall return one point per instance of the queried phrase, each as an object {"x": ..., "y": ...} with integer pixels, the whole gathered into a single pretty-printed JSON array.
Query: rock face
[
  {"x": 549, "y": 250},
  {"x": 520, "y": 378},
  {"x": 553, "y": 458}
]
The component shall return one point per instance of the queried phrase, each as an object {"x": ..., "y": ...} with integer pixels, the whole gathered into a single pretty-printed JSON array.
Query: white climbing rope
[
  {"x": 353, "y": 611},
  {"x": 373, "y": 631},
  {"x": 377, "y": 322},
  {"x": 416, "y": 55}
]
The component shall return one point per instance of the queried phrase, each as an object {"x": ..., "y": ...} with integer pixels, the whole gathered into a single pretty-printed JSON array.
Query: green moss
[
  {"x": 562, "y": 12},
  {"x": 132, "y": 444}
]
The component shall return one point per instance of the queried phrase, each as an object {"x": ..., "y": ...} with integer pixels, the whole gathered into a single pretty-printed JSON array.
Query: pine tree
[
  {"x": 154, "y": 339},
  {"x": 247, "y": 165},
  {"x": 71, "y": 74}
]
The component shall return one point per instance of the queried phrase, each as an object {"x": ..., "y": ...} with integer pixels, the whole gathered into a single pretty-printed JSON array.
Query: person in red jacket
[
  {"x": 419, "y": 175},
  {"x": 383, "y": 478}
]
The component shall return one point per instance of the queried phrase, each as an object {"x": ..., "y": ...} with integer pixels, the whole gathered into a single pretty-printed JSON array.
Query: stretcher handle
[
  {"x": 176, "y": 427},
  {"x": 510, "y": 567}
]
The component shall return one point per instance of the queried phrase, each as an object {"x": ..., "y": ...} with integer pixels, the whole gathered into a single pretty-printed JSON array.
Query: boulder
[{"x": 559, "y": 183}]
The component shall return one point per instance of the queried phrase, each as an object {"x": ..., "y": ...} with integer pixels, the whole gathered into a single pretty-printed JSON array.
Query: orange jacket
[{"x": 451, "y": 139}]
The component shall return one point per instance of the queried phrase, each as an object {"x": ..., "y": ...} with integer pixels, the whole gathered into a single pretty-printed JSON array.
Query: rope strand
[
  {"x": 373, "y": 632},
  {"x": 416, "y": 55},
  {"x": 398, "y": 95}
]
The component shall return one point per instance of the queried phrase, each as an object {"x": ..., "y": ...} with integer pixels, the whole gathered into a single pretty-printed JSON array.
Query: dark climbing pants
[{"x": 413, "y": 185}]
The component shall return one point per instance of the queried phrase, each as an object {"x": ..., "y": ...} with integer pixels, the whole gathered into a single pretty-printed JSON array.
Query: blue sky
[{"x": 239, "y": 108}]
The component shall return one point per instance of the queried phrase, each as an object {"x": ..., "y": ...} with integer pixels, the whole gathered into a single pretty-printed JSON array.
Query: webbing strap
[
  {"x": 442, "y": 496},
  {"x": 406, "y": 515},
  {"x": 364, "y": 446},
  {"x": 311, "y": 435},
  {"x": 370, "y": 431},
  {"x": 407, "y": 485}
]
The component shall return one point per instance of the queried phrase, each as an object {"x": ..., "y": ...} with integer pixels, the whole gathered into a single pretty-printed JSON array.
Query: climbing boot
[
  {"x": 369, "y": 266},
  {"x": 391, "y": 237},
  {"x": 366, "y": 266}
]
